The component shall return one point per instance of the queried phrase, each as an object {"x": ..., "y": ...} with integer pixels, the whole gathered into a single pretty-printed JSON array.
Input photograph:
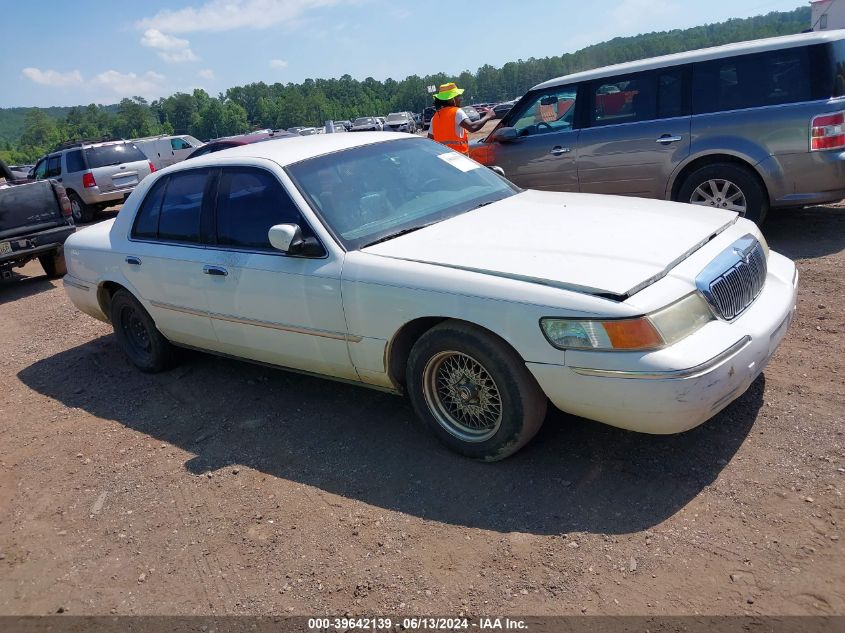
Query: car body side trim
[
  {"x": 75, "y": 284},
  {"x": 676, "y": 374},
  {"x": 340, "y": 336}
]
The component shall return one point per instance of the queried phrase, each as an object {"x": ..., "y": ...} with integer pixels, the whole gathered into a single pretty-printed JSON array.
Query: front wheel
[
  {"x": 726, "y": 186},
  {"x": 138, "y": 335},
  {"x": 474, "y": 392}
]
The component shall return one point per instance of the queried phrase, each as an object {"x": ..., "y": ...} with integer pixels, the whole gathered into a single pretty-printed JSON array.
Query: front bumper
[{"x": 654, "y": 394}]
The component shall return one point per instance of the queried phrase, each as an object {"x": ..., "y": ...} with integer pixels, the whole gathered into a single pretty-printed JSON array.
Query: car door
[
  {"x": 544, "y": 153},
  {"x": 166, "y": 255},
  {"x": 638, "y": 131},
  {"x": 264, "y": 304}
]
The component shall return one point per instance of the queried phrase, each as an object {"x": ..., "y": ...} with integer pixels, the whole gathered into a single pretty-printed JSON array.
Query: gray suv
[
  {"x": 745, "y": 127},
  {"x": 95, "y": 175}
]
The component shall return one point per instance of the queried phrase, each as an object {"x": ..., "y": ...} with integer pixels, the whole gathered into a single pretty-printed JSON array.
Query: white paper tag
[{"x": 458, "y": 161}]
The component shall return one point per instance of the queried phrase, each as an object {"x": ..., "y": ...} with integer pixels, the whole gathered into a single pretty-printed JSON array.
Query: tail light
[
  {"x": 827, "y": 131},
  {"x": 88, "y": 180},
  {"x": 152, "y": 167},
  {"x": 64, "y": 201}
]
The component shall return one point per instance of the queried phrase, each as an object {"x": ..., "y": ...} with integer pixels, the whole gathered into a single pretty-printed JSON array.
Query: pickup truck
[{"x": 35, "y": 221}]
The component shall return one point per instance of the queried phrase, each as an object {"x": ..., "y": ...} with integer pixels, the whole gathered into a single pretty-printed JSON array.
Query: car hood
[{"x": 604, "y": 245}]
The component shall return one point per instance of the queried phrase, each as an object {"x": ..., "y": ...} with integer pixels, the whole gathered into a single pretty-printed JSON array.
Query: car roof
[
  {"x": 699, "y": 55},
  {"x": 300, "y": 148}
]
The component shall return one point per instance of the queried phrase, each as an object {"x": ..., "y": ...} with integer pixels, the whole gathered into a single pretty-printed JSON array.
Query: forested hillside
[{"x": 25, "y": 133}]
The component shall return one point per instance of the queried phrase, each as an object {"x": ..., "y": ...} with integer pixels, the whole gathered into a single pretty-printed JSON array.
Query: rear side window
[
  {"x": 837, "y": 50},
  {"x": 54, "y": 166},
  {"x": 116, "y": 154},
  {"x": 249, "y": 202},
  {"x": 670, "y": 94},
  {"x": 750, "y": 81},
  {"x": 623, "y": 100},
  {"x": 74, "y": 161},
  {"x": 181, "y": 207},
  {"x": 146, "y": 222}
]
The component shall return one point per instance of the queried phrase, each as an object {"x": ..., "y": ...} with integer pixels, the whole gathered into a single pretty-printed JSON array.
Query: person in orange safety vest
[{"x": 450, "y": 125}]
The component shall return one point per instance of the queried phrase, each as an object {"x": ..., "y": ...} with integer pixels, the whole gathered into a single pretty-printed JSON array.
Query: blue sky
[{"x": 68, "y": 53}]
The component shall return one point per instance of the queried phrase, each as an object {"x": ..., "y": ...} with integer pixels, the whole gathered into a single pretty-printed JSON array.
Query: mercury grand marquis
[{"x": 393, "y": 262}]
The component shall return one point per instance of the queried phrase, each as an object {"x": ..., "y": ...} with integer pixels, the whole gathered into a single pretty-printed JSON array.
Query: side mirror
[
  {"x": 287, "y": 238},
  {"x": 505, "y": 135}
]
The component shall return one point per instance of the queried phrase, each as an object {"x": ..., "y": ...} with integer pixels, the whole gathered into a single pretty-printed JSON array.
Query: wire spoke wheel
[
  {"x": 720, "y": 194},
  {"x": 462, "y": 396}
]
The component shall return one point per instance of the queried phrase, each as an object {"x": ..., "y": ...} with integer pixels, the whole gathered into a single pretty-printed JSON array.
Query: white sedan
[{"x": 390, "y": 261}]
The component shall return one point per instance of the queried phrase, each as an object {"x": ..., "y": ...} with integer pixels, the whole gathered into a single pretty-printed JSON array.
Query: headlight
[{"x": 654, "y": 331}]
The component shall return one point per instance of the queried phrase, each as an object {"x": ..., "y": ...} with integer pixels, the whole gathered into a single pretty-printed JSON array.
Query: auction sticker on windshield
[
  {"x": 5, "y": 247},
  {"x": 459, "y": 161}
]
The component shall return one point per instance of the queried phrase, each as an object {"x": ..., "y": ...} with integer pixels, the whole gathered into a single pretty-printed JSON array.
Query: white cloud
[
  {"x": 227, "y": 15},
  {"x": 171, "y": 49},
  {"x": 150, "y": 84},
  {"x": 53, "y": 77},
  {"x": 278, "y": 64},
  {"x": 206, "y": 73}
]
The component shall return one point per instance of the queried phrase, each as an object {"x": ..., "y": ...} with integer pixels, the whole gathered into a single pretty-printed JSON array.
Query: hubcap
[
  {"x": 462, "y": 396},
  {"x": 75, "y": 210},
  {"x": 721, "y": 194}
]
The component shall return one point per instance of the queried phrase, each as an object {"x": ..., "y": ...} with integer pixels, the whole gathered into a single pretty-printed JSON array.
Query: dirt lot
[{"x": 225, "y": 488}]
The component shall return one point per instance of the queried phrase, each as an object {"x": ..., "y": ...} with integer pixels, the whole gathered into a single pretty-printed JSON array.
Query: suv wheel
[
  {"x": 138, "y": 335},
  {"x": 474, "y": 392},
  {"x": 80, "y": 211},
  {"x": 726, "y": 186}
]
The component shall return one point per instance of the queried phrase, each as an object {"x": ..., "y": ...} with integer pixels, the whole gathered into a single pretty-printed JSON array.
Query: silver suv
[
  {"x": 95, "y": 175},
  {"x": 744, "y": 127}
]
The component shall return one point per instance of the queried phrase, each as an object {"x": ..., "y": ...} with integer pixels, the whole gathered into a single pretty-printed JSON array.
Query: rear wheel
[
  {"x": 137, "y": 334},
  {"x": 726, "y": 186},
  {"x": 474, "y": 392},
  {"x": 54, "y": 264},
  {"x": 80, "y": 211}
]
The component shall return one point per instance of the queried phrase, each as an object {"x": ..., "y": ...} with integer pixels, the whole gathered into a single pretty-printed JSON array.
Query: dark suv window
[
  {"x": 116, "y": 154},
  {"x": 750, "y": 81},
  {"x": 249, "y": 202},
  {"x": 172, "y": 209},
  {"x": 54, "y": 166},
  {"x": 74, "y": 161}
]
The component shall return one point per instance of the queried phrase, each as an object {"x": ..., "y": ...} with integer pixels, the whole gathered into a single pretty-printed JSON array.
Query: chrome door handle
[
  {"x": 558, "y": 150},
  {"x": 134, "y": 261},
  {"x": 669, "y": 139},
  {"x": 215, "y": 270}
]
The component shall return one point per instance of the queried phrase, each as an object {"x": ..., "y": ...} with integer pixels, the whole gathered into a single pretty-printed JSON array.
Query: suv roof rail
[{"x": 83, "y": 141}]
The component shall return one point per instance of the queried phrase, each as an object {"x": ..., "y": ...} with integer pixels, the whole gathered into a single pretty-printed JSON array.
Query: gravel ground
[{"x": 221, "y": 487}]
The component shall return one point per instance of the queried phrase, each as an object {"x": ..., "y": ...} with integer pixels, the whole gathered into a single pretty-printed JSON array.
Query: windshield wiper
[{"x": 397, "y": 234}]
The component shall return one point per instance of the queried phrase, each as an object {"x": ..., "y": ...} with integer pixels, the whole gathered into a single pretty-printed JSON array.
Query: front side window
[
  {"x": 751, "y": 81},
  {"x": 178, "y": 143},
  {"x": 249, "y": 202},
  {"x": 370, "y": 193},
  {"x": 550, "y": 111},
  {"x": 40, "y": 170}
]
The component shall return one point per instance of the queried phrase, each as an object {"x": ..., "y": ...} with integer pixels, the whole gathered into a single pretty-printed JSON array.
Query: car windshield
[
  {"x": 113, "y": 155},
  {"x": 363, "y": 120},
  {"x": 397, "y": 117},
  {"x": 372, "y": 193}
]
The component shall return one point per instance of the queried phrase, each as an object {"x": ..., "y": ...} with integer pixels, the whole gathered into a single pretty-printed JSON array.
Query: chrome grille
[{"x": 735, "y": 278}]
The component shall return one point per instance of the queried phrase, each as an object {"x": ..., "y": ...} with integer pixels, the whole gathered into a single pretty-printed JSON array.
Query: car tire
[
  {"x": 138, "y": 335},
  {"x": 54, "y": 264},
  {"x": 702, "y": 186},
  {"x": 474, "y": 392},
  {"x": 80, "y": 211}
]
